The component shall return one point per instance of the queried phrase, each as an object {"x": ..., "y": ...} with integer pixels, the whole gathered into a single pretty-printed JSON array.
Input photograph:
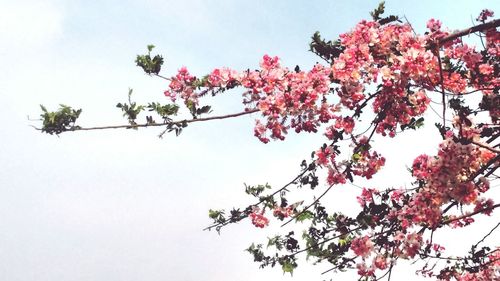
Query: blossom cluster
[
  {"x": 449, "y": 177},
  {"x": 395, "y": 74}
]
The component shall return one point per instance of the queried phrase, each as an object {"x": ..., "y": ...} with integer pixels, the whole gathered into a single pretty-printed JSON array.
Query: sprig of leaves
[
  {"x": 148, "y": 64},
  {"x": 327, "y": 50},
  {"x": 377, "y": 13},
  {"x": 197, "y": 111},
  {"x": 56, "y": 122},
  {"x": 165, "y": 111},
  {"x": 130, "y": 110},
  {"x": 256, "y": 190}
]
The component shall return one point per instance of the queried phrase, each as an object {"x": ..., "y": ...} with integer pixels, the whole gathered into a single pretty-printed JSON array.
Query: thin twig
[
  {"x": 307, "y": 208},
  {"x": 335, "y": 267},
  {"x": 163, "y": 77},
  {"x": 411, "y": 26},
  {"x": 489, "y": 233}
]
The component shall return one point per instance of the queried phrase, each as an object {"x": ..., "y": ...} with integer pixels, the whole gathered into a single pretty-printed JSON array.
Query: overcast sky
[{"x": 125, "y": 205}]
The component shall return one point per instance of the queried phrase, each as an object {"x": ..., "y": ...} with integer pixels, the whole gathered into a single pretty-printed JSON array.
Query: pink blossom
[
  {"x": 259, "y": 220},
  {"x": 434, "y": 24},
  {"x": 485, "y": 69},
  {"x": 484, "y": 15},
  {"x": 380, "y": 262},
  {"x": 362, "y": 246}
]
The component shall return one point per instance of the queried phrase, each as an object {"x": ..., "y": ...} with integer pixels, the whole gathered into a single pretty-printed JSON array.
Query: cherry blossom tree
[{"x": 378, "y": 78}]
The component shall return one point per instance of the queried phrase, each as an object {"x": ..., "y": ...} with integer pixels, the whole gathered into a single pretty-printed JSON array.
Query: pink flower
[
  {"x": 171, "y": 95},
  {"x": 380, "y": 262},
  {"x": 259, "y": 220},
  {"x": 484, "y": 15},
  {"x": 259, "y": 131},
  {"x": 366, "y": 196},
  {"x": 268, "y": 62},
  {"x": 485, "y": 205},
  {"x": 282, "y": 213},
  {"x": 363, "y": 270},
  {"x": 362, "y": 246},
  {"x": 334, "y": 177},
  {"x": 412, "y": 245},
  {"x": 420, "y": 168},
  {"x": 485, "y": 69},
  {"x": 434, "y": 24}
]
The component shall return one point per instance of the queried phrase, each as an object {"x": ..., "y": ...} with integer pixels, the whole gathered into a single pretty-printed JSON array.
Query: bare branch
[{"x": 128, "y": 126}]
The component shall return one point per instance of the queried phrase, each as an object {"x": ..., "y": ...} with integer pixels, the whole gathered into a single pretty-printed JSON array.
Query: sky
[{"x": 126, "y": 205}]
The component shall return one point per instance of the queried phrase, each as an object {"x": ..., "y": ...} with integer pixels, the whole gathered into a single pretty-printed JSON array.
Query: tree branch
[
  {"x": 481, "y": 27},
  {"x": 128, "y": 126},
  {"x": 471, "y": 214},
  {"x": 497, "y": 151}
]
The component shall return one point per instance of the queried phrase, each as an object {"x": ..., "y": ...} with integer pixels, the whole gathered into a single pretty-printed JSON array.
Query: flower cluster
[
  {"x": 386, "y": 69},
  {"x": 283, "y": 212},
  {"x": 258, "y": 219},
  {"x": 449, "y": 177},
  {"x": 362, "y": 246},
  {"x": 484, "y": 15},
  {"x": 182, "y": 84}
]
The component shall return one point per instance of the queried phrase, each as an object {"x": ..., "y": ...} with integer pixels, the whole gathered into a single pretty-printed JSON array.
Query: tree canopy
[{"x": 380, "y": 78}]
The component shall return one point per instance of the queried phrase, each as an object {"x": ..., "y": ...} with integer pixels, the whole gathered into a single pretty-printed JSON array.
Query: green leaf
[
  {"x": 256, "y": 190},
  {"x": 356, "y": 157},
  {"x": 306, "y": 215},
  {"x": 213, "y": 214},
  {"x": 59, "y": 121},
  {"x": 327, "y": 50},
  {"x": 288, "y": 266},
  {"x": 276, "y": 241},
  {"x": 204, "y": 109},
  {"x": 148, "y": 64}
]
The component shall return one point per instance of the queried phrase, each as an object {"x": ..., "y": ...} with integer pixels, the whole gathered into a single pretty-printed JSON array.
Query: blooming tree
[{"x": 383, "y": 71}]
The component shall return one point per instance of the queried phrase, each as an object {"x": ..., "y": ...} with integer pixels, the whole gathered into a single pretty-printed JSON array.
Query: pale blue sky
[{"x": 124, "y": 205}]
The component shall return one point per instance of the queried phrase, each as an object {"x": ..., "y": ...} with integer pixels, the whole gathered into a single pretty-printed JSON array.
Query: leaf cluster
[
  {"x": 326, "y": 50},
  {"x": 131, "y": 109},
  {"x": 197, "y": 111},
  {"x": 257, "y": 189},
  {"x": 164, "y": 111},
  {"x": 148, "y": 64},
  {"x": 379, "y": 11},
  {"x": 56, "y": 122}
]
